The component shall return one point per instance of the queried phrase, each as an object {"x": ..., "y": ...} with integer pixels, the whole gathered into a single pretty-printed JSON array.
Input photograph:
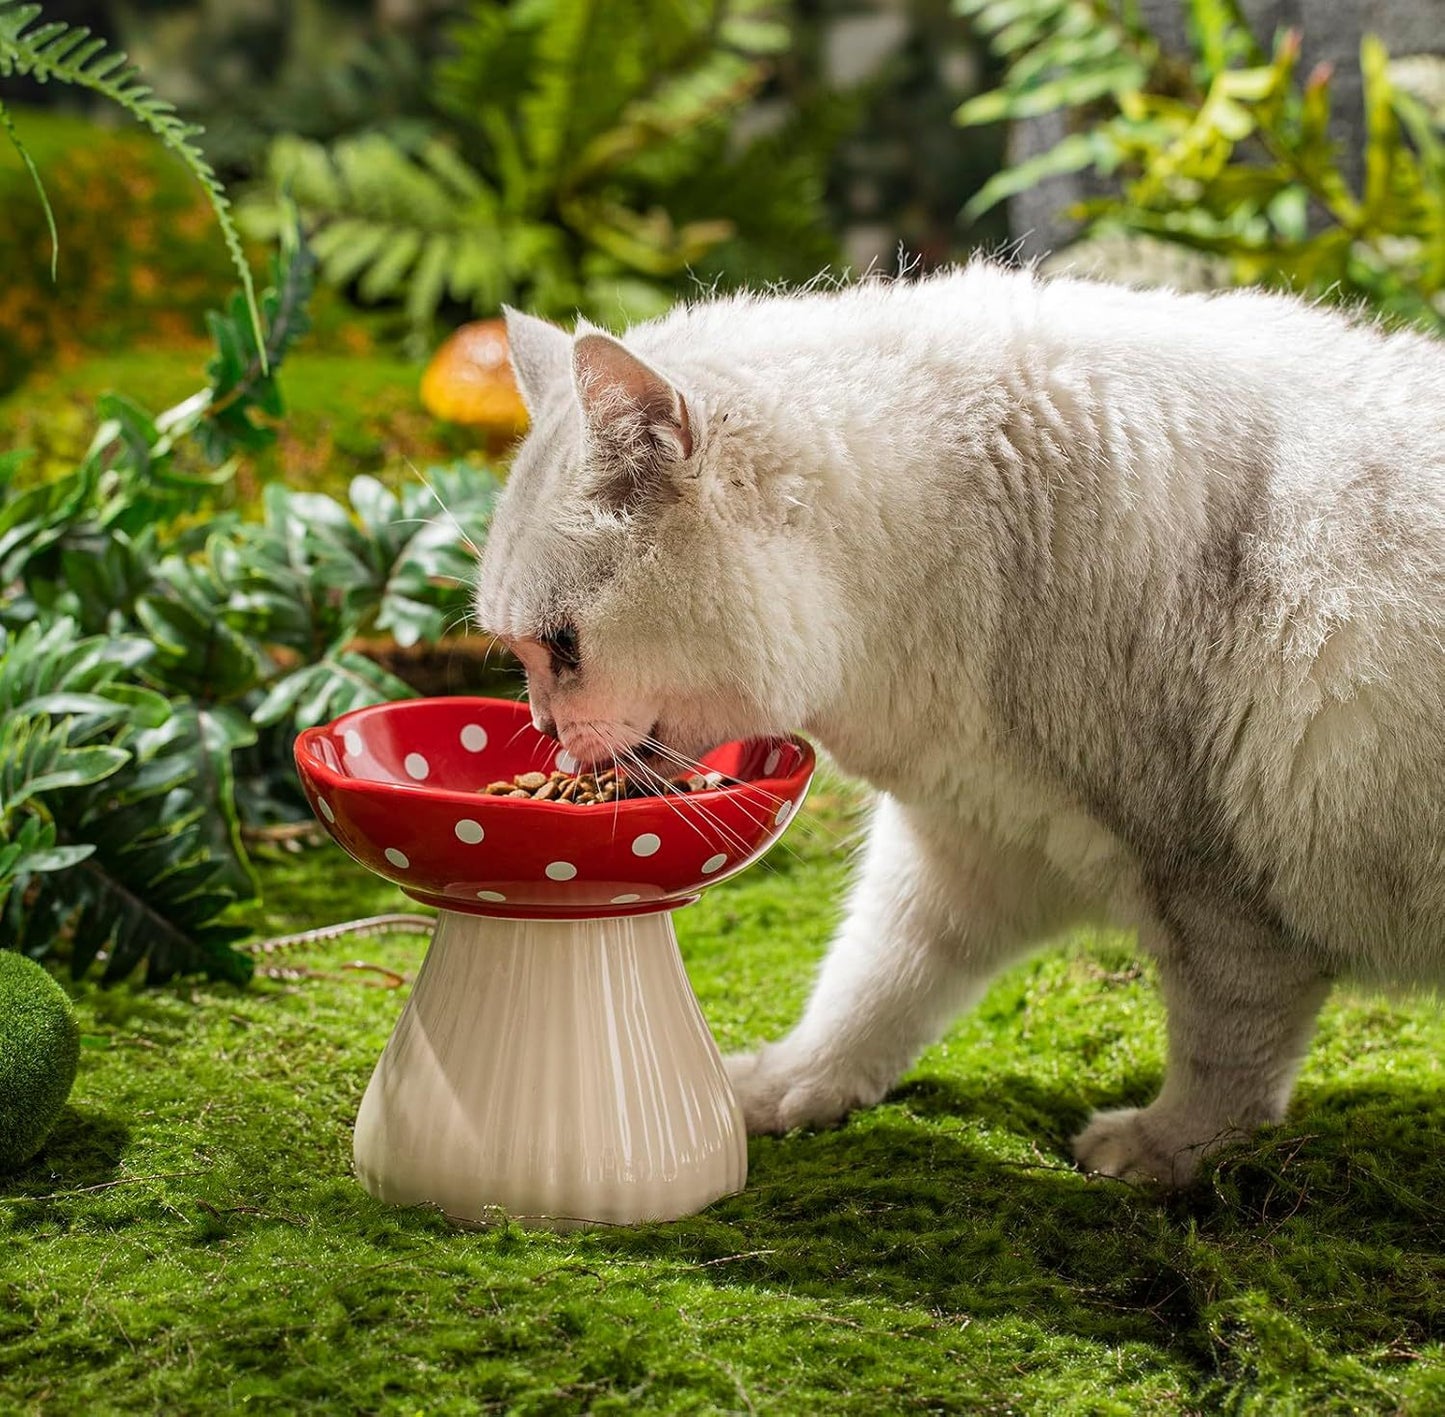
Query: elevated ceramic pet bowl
[{"x": 551, "y": 1062}]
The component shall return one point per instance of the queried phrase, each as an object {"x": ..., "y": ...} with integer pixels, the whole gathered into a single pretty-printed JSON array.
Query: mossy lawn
[{"x": 191, "y": 1240}]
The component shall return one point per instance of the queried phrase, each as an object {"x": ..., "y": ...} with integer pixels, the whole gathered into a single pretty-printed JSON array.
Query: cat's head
[{"x": 650, "y": 560}]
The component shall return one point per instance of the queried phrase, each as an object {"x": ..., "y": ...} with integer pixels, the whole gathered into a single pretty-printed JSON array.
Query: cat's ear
[
  {"x": 632, "y": 409},
  {"x": 541, "y": 356}
]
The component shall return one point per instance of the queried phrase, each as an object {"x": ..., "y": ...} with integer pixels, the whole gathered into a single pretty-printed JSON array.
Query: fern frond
[
  {"x": 591, "y": 125},
  {"x": 8, "y": 123},
  {"x": 581, "y": 75},
  {"x": 1058, "y": 53},
  {"x": 45, "y": 50},
  {"x": 680, "y": 106},
  {"x": 392, "y": 221}
]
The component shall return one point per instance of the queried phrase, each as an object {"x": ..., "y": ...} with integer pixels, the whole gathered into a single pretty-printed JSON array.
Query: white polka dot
[
  {"x": 771, "y": 766},
  {"x": 566, "y": 762},
  {"x": 625, "y": 899},
  {"x": 469, "y": 831},
  {"x": 397, "y": 858},
  {"x": 416, "y": 766},
  {"x": 474, "y": 737},
  {"x": 646, "y": 844},
  {"x": 561, "y": 870},
  {"x": 714, "y": 779},
  {"x": 325, "y": 808},
  {"x": 783, "y": 813},
  {"x": 490, "y": 895},
  {"x": 354, "y": 746},
  {"x": 714, "y": 863}
]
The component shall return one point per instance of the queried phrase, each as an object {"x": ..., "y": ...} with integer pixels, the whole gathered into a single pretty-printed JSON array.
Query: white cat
[{"x": 1130, "y": 605}]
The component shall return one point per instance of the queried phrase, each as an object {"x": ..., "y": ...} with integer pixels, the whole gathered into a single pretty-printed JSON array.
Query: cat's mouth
[
  {"x": 653, "y": 752},
  {"x": 669, "y": 754},
  {"x": 660, "y": 753},
  {"x": 665, "y": 749}
]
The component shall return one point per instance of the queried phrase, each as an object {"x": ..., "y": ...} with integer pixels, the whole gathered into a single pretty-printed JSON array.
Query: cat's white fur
[{"x": 1130, "y": 605}]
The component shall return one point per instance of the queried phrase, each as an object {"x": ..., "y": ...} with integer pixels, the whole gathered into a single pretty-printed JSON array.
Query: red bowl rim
[{"x": 310, "y": 761}]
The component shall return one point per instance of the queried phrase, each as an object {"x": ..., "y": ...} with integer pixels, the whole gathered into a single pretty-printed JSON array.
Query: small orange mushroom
[{"x": 470, "y": 381}]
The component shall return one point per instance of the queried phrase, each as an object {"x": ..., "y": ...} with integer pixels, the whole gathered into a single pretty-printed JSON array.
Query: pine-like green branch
[{"x": 46, "y": 50}]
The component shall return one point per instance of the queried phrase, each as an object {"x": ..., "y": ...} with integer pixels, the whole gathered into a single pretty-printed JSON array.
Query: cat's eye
[{"x": 561, "y": 643}]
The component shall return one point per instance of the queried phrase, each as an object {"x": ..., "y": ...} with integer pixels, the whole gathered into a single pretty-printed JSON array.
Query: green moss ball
[{"x": 39, "y": 1050}]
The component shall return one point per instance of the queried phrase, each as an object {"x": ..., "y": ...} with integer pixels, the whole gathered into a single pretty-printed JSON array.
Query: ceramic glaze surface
[
  {"x": 559, "y": 1071},
  {"x": 398, "y": 785}
]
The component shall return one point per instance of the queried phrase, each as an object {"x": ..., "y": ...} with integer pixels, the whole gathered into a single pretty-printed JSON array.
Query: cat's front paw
[
  {"x": 1136, "y": 1144},
  {"x": 777, "y": 1093}
]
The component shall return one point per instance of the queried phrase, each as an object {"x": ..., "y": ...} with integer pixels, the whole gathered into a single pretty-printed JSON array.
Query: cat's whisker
[
  {"x": 675, "y": 801},
  {"x": 740, "y": 802},
  {"x": 617, "y": 796},
  {"x": 445, "y": 510},
  {"x": 521, "y": 729},
  {"x": 461, "y": 621},
  {"x": 494, "y": 644},
  {"x": 692, "y": 765},
  {"x": 729, "y": 835},
  {"x": 681, "y": 803},
  {"x": 688, "y": 802},
  {"x": 701, "y": 769},
  {"x": 685, "y": 802},
  {"x": 669, "y": 799}
]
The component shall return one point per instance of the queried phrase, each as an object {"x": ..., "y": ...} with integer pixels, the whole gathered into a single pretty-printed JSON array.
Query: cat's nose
[{"x": 543, "y": 721}]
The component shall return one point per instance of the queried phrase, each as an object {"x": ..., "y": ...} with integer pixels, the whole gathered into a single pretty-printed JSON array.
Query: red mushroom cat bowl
[{"x": 400, "y": 788}]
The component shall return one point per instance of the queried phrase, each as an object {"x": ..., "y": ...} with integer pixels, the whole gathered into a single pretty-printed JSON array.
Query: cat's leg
[
  {"x": 1241, "y": 1011},
  {"x": 932, "y": 916}
]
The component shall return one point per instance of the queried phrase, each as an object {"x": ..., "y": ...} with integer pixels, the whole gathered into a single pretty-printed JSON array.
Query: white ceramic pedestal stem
[{"x": 558, "y": 1070}]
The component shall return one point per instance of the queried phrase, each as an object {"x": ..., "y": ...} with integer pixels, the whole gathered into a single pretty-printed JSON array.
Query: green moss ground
[
  {"x": 191, "y": 1240},
  {"x": 346, "y": 414}
]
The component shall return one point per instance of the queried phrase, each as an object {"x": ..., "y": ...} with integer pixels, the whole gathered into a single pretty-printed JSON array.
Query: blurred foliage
[
  {"x": 317, "y": 68},
  {"x": 899, "y": 176},
  {"x": 54, "y": 52},
  {"x": 137, "y": 261},
  {"x": 1226, "y": 150},
  {"x": 138, "y": 264},
  {"x": 156, "y": 658},
  {"x": 346, "y": 414},
  {"x": 587, "y": 159}
]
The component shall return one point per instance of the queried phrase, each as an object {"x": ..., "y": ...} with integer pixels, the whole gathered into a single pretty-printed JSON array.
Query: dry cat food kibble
[{"x": 588, "y": 789}]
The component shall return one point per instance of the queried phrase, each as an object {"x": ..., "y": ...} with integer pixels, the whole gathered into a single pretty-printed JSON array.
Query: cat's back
[
  {"x": 1298, "y": 472},
  {"x": 1316, "y": 372},
  {"x": 1258, "y": 487}
]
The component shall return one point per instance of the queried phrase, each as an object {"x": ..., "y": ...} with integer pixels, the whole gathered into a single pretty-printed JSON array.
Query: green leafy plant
[
  {"x": 588, "y": 162},
  {"x": 155, "y": 646},
  {"x": 33, "y": 47},
  {"x": 149, "y": 641},
  {"x": 1225, "y": 150},
  {"x": 315, "y": 576},
  {"x": 127, "y": 793},
  {"x": 53, "y": 696}
]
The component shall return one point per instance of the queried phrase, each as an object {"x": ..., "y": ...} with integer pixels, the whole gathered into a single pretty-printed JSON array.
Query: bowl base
[{"x": 559, "y": 1073}]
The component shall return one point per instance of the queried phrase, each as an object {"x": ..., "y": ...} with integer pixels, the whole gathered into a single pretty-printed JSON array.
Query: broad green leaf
[
  {"x": 1072, "y": 154},
  {"x": 58, "y": 858},
  {"x": 79, "y": 768}
]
